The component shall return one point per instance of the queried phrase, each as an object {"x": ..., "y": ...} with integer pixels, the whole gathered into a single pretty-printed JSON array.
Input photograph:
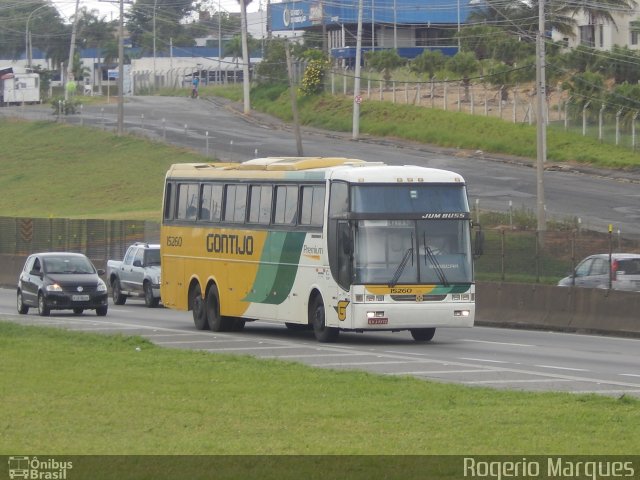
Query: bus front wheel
[
  {"x": 423, "y": 334},
  {"x": 197, "y": 308},
  {"x": 322, "y": 333}
]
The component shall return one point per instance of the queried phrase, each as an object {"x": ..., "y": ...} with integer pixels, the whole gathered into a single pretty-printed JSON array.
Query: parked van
[{"x": 593, "y": 272}]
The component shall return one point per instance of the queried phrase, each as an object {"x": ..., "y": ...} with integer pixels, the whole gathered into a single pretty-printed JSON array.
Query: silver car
[{"x": 593, "y": 272}]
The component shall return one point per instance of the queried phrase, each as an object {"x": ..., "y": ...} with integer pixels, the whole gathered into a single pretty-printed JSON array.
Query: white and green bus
[{"x": 329, "y": 244}]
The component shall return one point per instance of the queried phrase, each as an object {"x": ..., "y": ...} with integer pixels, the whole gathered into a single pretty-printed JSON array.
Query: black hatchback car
[{"x": 61, "y": 281}]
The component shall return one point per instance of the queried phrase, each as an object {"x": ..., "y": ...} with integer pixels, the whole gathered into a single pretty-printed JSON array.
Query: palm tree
[{"x": 521, "y": 17}]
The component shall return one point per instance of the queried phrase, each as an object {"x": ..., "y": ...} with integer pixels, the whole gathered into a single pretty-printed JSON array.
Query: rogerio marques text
[{"x": 550, "y": 467}]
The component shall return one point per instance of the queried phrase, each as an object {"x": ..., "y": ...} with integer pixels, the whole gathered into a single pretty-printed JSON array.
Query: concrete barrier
[
  {"x": 505, "y": 304},
  {"x": 557, "y": 308}
]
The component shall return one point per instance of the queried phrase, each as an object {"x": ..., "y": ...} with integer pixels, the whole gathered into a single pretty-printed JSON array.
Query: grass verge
[
  {"x": 437, "y": 127},
  {"x": 82, "y": 172},
  {"x": 74, "y": 393}
]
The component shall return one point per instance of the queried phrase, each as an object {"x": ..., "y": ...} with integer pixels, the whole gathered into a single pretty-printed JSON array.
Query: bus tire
[
  {"x": 198, "y": 308},
  {"x": 423, "y": 334},
  {"x": 217, "y": 323},
  {"x": 322, "y": 333}
]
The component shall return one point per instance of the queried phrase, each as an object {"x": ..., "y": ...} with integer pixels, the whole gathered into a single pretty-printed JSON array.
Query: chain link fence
[
  {"x": 98, "y": 239},
  {"x": 525, "y": 256}
]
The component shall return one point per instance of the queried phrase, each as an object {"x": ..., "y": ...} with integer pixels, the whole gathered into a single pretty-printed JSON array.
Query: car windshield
[{"x": 67, "y": 264}]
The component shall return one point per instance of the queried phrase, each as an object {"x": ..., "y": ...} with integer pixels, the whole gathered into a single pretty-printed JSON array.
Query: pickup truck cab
[{"x": 137, "y": 275}]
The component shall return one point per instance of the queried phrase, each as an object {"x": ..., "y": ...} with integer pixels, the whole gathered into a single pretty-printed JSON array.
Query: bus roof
[{"x": 336, "y": 168}]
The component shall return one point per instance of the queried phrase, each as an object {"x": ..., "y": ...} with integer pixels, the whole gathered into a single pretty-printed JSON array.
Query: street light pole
[
  {"x": 28, "y": 54},
  {"x": 155, "y": 4},
  {"x": 541, "y": 135},
  {"x": 356, "y": 81},
  {"x": 72, "y": 48}
]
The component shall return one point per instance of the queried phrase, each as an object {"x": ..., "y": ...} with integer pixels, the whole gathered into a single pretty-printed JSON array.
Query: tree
[
  {"x": 168, "y": 15},
  {"x": 384, "y": 61},
  {"x": 429, "y": 62}
]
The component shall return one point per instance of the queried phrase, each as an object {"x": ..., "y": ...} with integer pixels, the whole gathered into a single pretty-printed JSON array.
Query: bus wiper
[
  {"x": 403, "y": 263},
  {"x": 434, "y": 261}
]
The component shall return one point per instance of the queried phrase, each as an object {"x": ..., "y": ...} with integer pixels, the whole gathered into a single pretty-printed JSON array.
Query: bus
[{"x": 328, "y": 244}]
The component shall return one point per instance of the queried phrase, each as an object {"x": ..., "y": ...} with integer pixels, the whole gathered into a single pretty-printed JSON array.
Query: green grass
[
  {"x": 437, "y": 127},
  {"x": 76, "y": 393},
  {"x": 82, "y": 172}
]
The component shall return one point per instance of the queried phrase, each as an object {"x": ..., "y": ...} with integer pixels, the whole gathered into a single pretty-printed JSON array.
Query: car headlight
[
  {"x": 157, "y": 280},
  {"x": 102, "y": 287},
  {"x": 54, "y": 287}
]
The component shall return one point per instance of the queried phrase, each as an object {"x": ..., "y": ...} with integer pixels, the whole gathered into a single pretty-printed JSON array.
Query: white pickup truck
[{"x": 138, "y": 275}]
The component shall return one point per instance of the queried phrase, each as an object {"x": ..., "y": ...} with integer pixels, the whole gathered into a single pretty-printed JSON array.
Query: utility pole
[
  {"x": 356, "y": 81},
  {"x": 294, "y": 101},
  {"x": 246, "y": 81},
  {"x": 541, "y": 123},
  {"x": 72, "y": 49},
  {"x": 121, "y": 71}
]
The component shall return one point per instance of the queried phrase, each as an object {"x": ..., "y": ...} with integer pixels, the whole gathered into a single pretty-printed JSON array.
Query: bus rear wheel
[
  {"x": 197, "y": 308},
  {"x": 217, "y": 323},
  {"x": 322, "y": 333},
  {"x": 423, "y": 334}
]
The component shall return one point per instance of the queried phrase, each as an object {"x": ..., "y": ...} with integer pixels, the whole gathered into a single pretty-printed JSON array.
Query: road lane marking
[
  {"x": 442, "y": 372},
  {"x": 497, "y": 343},
  {"x": 482, "y": 360},
  {"x": 554, "y": 367},
  {"x": 629, "y": 375},
  {"x": 531, "y": 380}
]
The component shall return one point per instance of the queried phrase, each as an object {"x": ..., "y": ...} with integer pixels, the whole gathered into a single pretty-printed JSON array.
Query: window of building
[{"x": 634, "y": 29}]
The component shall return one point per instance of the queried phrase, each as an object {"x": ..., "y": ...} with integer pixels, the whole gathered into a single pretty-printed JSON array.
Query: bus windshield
[
  {"x": 411, "y": 234},
  {"x": 412, "y": 252}
]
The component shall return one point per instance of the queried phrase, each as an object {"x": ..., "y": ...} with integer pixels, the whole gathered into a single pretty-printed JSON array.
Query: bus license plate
[
  {"x": 80, "y": 298},
  {"x": 378, "y": 321}
]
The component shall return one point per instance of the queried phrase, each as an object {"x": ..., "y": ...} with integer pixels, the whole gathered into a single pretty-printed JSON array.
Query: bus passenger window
[
  {"x": 169, "y": 205},
  {"x": 286, "y": 204},
  {"x": 236, "y": 203},
  {"x": 260, "y": 204},
  {"x": 187, "y": 201},
  {"x": 312, "y": 207},
  {"x": 211, "y": 202}
]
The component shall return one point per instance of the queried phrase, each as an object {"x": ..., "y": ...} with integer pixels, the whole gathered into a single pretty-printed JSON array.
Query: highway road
[
  {"x": 593, "y": 196},
  {"x": 481, "y": 357}
]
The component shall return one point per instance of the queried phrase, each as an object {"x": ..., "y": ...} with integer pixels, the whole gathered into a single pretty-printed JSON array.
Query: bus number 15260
[{"x": 174, "y": 241}]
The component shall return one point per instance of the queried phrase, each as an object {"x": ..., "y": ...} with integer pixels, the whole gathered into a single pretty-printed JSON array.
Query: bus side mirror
[{"x": 478, "y": 244}]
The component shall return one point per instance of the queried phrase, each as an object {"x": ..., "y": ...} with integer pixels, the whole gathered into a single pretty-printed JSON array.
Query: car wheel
[
  {"x": 198, "y": 309},
  {"x": 149, "y": 300},
  {"x": 102, "y": 311},
  {"x": 43, "y": 310},
  {"x": 78, "y": 311},
  {"x": 22, "y": 308},
  {"x": 322, "y": 333},
  {"x": 116, "y": 293},
  {"x": 423, "y": 334}
]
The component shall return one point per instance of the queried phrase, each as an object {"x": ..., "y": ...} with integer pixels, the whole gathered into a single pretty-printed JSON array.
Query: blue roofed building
[{"x": 409, "y": 26}]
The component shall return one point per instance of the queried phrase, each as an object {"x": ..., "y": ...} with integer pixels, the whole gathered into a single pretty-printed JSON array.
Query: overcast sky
[{"x": 112, "y": 9}]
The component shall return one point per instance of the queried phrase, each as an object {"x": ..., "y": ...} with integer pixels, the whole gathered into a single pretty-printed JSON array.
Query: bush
[{"x": 66, "y": 107}]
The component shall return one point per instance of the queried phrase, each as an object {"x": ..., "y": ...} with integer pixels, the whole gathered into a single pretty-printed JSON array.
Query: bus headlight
[{"x": 461, "y": 313}]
